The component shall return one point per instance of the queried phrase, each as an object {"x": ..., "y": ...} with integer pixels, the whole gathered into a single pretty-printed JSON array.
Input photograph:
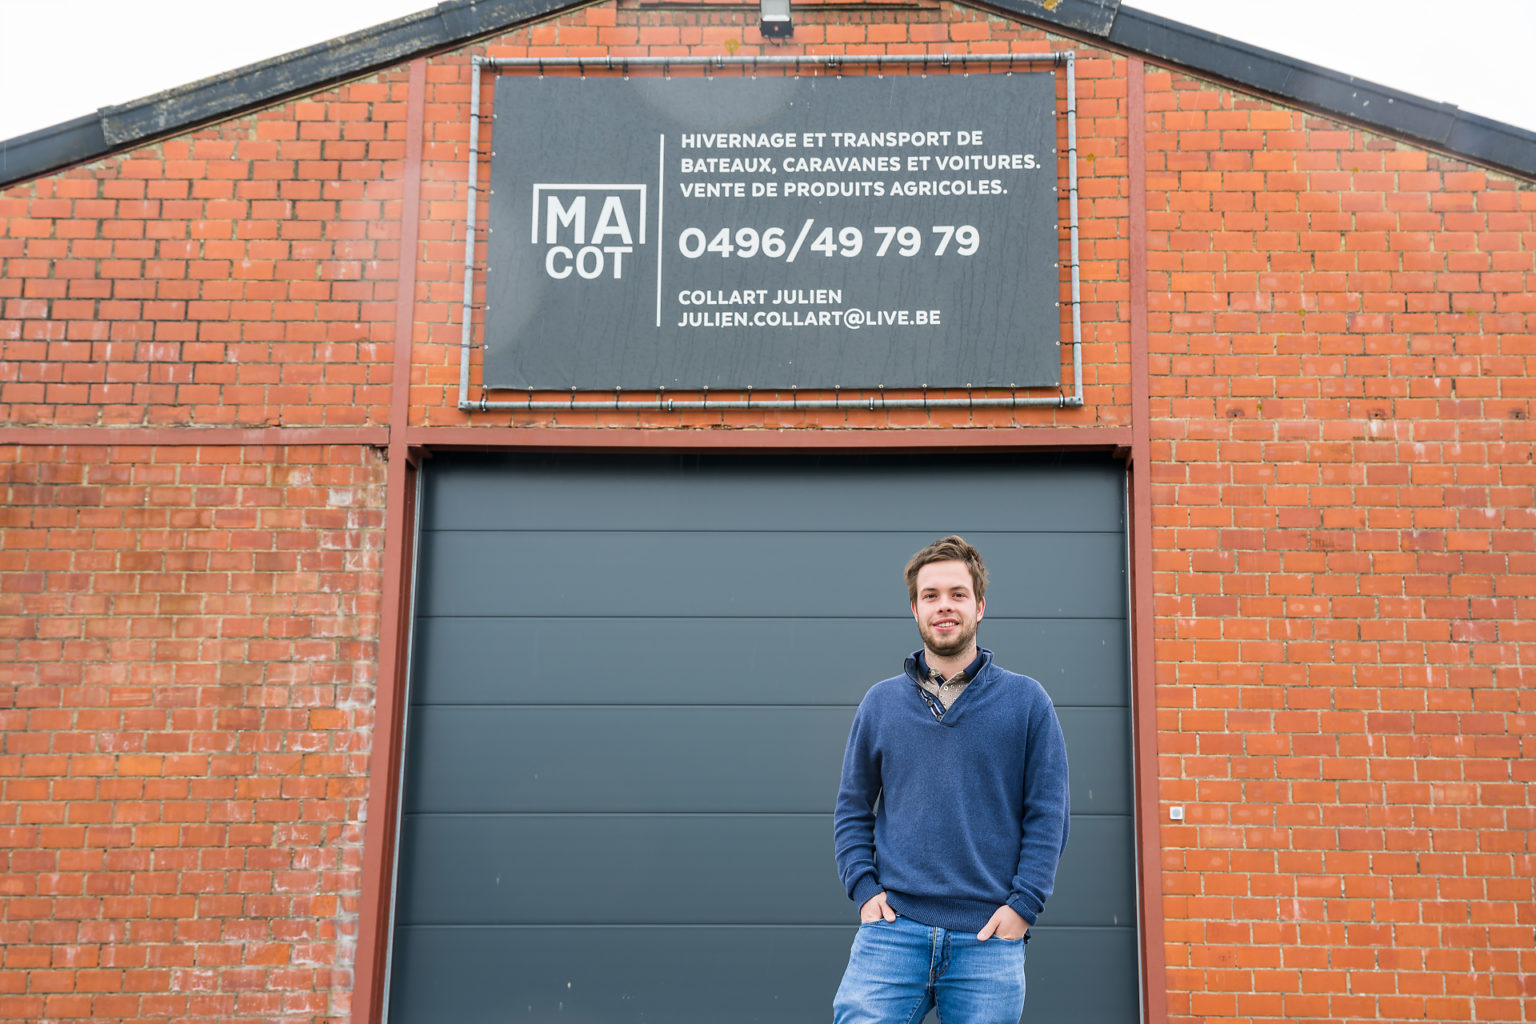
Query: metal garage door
[{"x": 632, "y": 682}]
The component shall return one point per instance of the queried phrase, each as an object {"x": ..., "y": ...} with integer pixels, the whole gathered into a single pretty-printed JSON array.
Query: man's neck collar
[{"x": 926, "y": 660}]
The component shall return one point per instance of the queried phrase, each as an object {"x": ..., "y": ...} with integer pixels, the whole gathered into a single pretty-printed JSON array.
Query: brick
[{"x": 1343, "y": 569}]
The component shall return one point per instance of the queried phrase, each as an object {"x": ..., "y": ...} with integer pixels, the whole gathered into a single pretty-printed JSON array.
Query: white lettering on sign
[
  {"x": 562, "y": 214},
  {"x": 558, "y": 216},
  {"x": 612, "y": 222}
]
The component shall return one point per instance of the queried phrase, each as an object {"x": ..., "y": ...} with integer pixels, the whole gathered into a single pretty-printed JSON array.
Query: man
[{"x": 967, "y": 765}]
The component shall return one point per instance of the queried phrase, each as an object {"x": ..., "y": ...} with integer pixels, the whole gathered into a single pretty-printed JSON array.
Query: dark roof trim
[
  {"x": 449, "y": 24},
  {"x": 456, "y": 22},
  {"x": 34, "y": 153},
  {"x": 1443, "y": 126},
  {"x": 1091, "y": 16},
  {"x": 258, "y": 85}
]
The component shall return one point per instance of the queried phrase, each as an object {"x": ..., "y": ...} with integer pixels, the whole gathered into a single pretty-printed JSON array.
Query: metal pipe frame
[
  {"x": 662, "y": 403},
  {"x": 469, "y": 230}
]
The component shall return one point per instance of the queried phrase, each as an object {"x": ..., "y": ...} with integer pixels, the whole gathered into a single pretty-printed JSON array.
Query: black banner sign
[{"x": 774, "y": 232}]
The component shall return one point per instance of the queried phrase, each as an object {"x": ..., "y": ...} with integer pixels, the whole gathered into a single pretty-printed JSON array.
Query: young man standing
[{"x": 969, "y": 770}]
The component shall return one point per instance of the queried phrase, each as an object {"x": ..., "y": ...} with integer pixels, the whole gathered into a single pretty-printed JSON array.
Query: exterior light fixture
[{"x": 775, "y": 22}]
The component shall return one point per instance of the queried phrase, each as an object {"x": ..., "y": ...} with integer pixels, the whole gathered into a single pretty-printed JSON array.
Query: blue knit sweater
[{"x": 971, "y": 810}]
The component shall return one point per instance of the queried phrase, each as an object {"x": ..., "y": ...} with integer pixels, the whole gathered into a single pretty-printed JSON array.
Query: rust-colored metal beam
[
  {"x": 369, "y": 990},
  {"x": 914, "y": 441},
  {"x": 1143, "y": 661}
]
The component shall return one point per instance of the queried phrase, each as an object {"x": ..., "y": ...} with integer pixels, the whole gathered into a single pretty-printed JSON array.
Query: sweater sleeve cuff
[
  {"x": 865, "y": 889},
  {"x": 1022, "y": 907}
]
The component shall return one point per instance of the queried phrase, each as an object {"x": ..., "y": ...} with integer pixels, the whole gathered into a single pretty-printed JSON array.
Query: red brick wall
[
  {"x": 1342, "y": 380},
  {"x": 187, "y": 668},
  {"x": 1341, "y": 366},
  {"x": 239, "y": 275}
]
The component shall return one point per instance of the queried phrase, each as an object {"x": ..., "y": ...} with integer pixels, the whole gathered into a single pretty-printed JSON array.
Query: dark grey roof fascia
[
  {"x": 267, "y": 80},
  {"x": 449, "y": 24},
  {"x": 1444, "y": 126},
  {"x": 29, "y": 155},
  {"x": 1498, "y": 144},
  {"x": 456, "y": 22},
  {"x": 1092, "y": 16}
]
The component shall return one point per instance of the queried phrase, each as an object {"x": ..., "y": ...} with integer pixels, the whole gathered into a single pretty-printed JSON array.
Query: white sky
[{"x": 63, "y": 58}]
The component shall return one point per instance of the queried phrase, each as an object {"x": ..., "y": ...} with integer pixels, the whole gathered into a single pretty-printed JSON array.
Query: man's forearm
[{"x": 1047, "y": 810}]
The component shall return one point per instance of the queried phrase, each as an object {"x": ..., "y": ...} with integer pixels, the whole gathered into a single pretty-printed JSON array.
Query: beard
[{"x": 958, "y": 643}]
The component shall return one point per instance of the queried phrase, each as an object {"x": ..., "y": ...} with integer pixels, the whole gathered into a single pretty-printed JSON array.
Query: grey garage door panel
[
  {"x": 1057, "y": 575},
  {"x": 1081, "y": 976},
  {"x": 1094, "y": 885},
  {"x": 621, "y": 869},
  {"x": 1097, "y": 739},
  {"x": 717, "y": 975},
  {"x": 685, "y": 759},
  {"x": 683, "y": 869},
  {"x": 565, "y": 492},
  {"x": 725, "y": 975},
  {"x": 760, "y": 661},
  {"x": 632, "y": 679},
  {"x": 630, "y": 759}
]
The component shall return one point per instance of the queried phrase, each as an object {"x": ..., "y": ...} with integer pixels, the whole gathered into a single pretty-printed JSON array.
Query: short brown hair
[{"x": 948, "y": 549}]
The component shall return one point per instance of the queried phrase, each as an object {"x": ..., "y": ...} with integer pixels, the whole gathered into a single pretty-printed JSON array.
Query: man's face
[{"x": 946, "y": 608}]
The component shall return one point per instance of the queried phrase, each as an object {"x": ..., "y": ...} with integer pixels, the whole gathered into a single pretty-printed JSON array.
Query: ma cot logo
[{"x": 587, "y": 230}]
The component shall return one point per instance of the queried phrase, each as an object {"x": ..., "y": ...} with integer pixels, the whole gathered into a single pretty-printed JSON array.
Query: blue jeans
[{"x": 899, "y": 970}]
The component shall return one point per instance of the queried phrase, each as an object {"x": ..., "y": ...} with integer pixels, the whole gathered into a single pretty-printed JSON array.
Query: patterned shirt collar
[{"x": 966, "y": 675}]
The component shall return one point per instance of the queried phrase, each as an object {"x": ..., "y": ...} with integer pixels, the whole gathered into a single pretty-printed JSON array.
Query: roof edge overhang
[
  {"x": 450, "y": 24},
  {"x": 1441, "y": 126}
]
